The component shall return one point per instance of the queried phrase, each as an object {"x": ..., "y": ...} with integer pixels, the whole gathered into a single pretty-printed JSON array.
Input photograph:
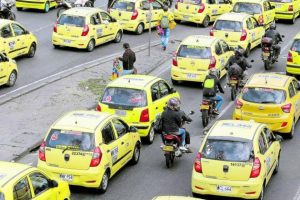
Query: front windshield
[
  {"x": 192, "y": 51},
  {"x": 263, "y": 95},
  {"x": 225, "y": 25},
  {"x": 123, "y": 5},
  {"x": 296, "y": 46},
  {"x": 250, "y": 8}
]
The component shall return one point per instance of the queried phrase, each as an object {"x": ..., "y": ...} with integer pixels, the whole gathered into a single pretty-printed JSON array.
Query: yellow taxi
[
  {"x": 174, "y": 198},
  {"x": 196, "y": 55},
  {"x": 262, "y": 10},
  {"x": 8, "y": 71},
  {"x": 293, "y": 58},
  {"x": 236, "y": 159},
  {"x": 15, "y": 40},
  {"x": 270, "y": 98},
  {"x": 134, "y": 14},
  {"x": 44, "y": 5},
  {"x": 286, "y": 9},
  {"x": 86, "y": 148},
  {"x": 85, "y": 28},
  {"x": 19, "y": 181},
  {"x": 137, "y": 99},
  {"x": 200, "y": 11},
  {"x": 238, "y": 29}
]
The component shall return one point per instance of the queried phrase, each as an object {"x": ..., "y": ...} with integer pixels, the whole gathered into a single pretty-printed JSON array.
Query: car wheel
[
  {"x": 91, "y": 45},
  {"x": 136, "y": 154},
  {"x": 19, "y": 9},
  {"x": 206, "y": 21},
  {"x": 88, "y": 4},
  {"x": 118, "y": 37},
  {"x": 47, "y": 7},
  {"x": 140, "y": 29},
  {"x": 277, "y": 165},
  {"x": 247, "y": 51},
  {"x": 174, "y": 82},
  {"x": 55, "y": 46},
  {"x": 31, "y": 51},
  {"x": 151, "y": 135},
  {"x": 292, "y": 132},
  {"x": 12, "y": 79},
  {"x": 104, "y": 182}
]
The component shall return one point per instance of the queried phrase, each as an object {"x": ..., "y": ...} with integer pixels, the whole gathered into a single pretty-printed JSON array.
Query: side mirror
[
  {"x": 252, "y": 61},
  {"x": 283, "y": 36},
  {"x": 133, "y": 129},
  {"x": 278, "y": 138},
  {"x": 192, "y": 112},
  {"x": 113, "y": 20},
  {"x": 272, "y": 7},
  {"x": 53, "y": 184},
  {"x": 172, "y": 90}
]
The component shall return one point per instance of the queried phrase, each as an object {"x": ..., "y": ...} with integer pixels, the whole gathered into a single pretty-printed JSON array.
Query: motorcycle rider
[
  {"x": 171, "y": 120},
  {"x": 276, "y": 37},
  {"x": 211, "y": 84}
]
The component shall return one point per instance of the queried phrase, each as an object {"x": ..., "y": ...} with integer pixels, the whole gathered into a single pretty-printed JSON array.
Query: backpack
[
  {"x": 209, "y": 87},
  {"x": 164, "y": 22}
]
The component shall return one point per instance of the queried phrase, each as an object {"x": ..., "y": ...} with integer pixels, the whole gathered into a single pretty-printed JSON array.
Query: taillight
[
  {"x": 201, "y": 8},
  {"x": 197, "y": 164},
  {"x": 96, "y": 159},
  {"x": 176, "y": 5},
  {"x": 212, "y": 63},
  {"x": 144, "y": 115},
  {"x": 135, "y": 14},
  {"x": 256, "y": 168},
  {"x": 286, "y": 108},
  {"x": 244, "y": 35},
  {"x": 211, "y": 32},
  {"x": 42, "y": 155},
  {"x": 291, "y": 8},
  {"x": 290, "y": 57},
  {"x": 174, "y": 60},
  {"x": 261, "y": 19},
  {"x": 98, "y": 108},
  {"x": 55, "y": 27},
  {"x": 85, "y": 30},
  {"x": 238, "y": 104},
  {"x": 266, "y": 49}
]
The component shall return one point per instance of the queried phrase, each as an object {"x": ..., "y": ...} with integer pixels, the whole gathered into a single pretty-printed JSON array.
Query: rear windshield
[
  {"x": 250, "y": 8},
  {"x": 193, "y": 2},
  {"x": 226, "y": 150},
  {"x": 124, "y": 97},
  {"x": 225, "y": 25},
  {"x": 296, "y": 46},
  {"x": 124, "y": 5},
  {"x": 281, "y": 1},
  {"x": 71, "y": 20},
  {"x": 75, "y": 140},
  {"x": 263, "y": 95},
  {"x": 2, "y": 196},
  {"x": 192, "y": 51}
]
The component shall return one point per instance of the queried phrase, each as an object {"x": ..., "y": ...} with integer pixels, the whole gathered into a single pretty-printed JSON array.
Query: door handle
[
  {"x": 156, "y": 108},
  {"x": 272, "y": 152},
  {"x": 94, "y": 29},
  {"x": 108, "y": 151},
  {"x": 122, "y": 143}
]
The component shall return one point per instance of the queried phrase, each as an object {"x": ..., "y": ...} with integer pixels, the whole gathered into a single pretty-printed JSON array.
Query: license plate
[
  {"x": 191, "y": 76},
  {"x": 168, "y": 148},
  {"x": 266, "y": 54},
  {"x": 121, "y": 112},
  {"x": 204, "y": 107},
  {"x": 232, "y": 81},
  {"x": 66, "y": 177},
  {"x": 186, "y": 17},
  {"x": 223, "y": 188},
  {"x": 67, "y": 41}
]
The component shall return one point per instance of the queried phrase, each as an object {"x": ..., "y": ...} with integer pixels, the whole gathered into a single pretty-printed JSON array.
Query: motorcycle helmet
[
  {"x": 273, "y": 26},
  {"x": 238, "y": 51},
  {"x": 213, "y": 72},
  {"x": 173, "y": 104},
  {"x": 165, "y": 8}
]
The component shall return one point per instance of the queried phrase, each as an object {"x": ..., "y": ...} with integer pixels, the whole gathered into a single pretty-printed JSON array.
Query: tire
[
  {"x": 292, "y": 132},
  {"x": 205, "y": 118},
  {"x": 104, "y": 182},
  {"x": 247, "y": 51},
  {"x": 277, "y": 165},
  {"x": 139, "y": 29},
  {"x": 19, "y": 9},
  {"x": 31, "y": 51},
  {"x": 12, "y": 79},
  {"x": 233, "y": 93},
  {"x": 151, "y": 135},
  {"x": 118, "y": 37},
  {"x": 169, "y": 161},
  {"x": 55, "y": 46},
  {"x": 267, "y": 65},
  {"x": 60, "y": 10},
  {"x": 136, "y": 154},
  {"x": 47, "y": 7},
  {"x": 91, "y": 45},
  {"x": 206, "y": 21},
  {"x": 174, "y": 82}
]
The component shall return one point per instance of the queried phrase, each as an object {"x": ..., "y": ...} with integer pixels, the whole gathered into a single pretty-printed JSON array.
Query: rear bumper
[
  {"x": 143, "y": 130},
  {"x": 80, "y": 43},
  {"x": 186, "y": 75},
  {"x": 284, "y": 15},
  {"x": 195, "y": 18},
  {"x": 130, "y": 25},
  {"x": 293, "y": 68},
  {"x": 207, "y": 186},
  {"x": 40, "y": 5}
]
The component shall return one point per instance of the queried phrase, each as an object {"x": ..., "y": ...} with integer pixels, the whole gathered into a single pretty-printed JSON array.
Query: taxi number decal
[
  {"x": 11, "y": 45},
  {"x": 237, "y": 164},
  {"x": 99, "y": 32},
  {"x": 114, "y": 155},
  {"x": 81, "y": 153}
]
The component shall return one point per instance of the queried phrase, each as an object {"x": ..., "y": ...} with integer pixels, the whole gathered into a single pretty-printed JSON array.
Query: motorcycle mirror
[
  {"x": 282, "y": 36},
  {"x": 192, "y": 112},
  {"x": 252, "y": 61}
]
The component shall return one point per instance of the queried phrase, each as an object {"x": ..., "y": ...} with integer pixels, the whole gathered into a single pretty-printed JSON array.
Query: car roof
[
  {"x": 239, "y": 17},
  {"x": 234, "y": 128},
  {"x": 81, "y": 119},
  {"x": 82, "y": 11},
  {"x": 4, "y": 22},
  {"x": 133, "y": 81},
  {"x": 250, "y": 1},
  {"x": 201, "y": 40},
  {"x": 268, "y": 80},
  {"x": 9, "y": 170}
]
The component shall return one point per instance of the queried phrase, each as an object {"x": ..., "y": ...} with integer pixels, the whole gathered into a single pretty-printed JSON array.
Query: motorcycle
[
  {"x": 268, "y": 52},
  {"x": 68, "y": 4},
  {"x": 235, "y": 84},
  {"x": 6, "y": 10},
  {"x": 207, "y": 108},
  {"x": 171, "y": 146}
]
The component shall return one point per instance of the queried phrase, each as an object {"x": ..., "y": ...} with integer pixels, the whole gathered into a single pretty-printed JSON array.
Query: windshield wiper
[
  {"x": 266, "y": 102},
  {"x": 70, "y": 148}
]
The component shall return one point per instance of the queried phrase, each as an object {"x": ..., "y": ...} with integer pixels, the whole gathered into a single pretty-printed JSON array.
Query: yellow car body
[
  {"x": 238, "y": 29},
  {"x": 15, "y": 40},
  {"x": 236, "y": 159},
  {"x": 286, "y": 9},
  {"x": 293, "y": 58},
  {"x": 20, "y": 181},
  {"x": 137, "y": 99},
  {"x": 174, "y": 198},
  {"x": 133, "y": 14},
  {"x": 201, "y": 12},
  {"x": 8, "y": 71},
  {"x": 272, "y": 99},
  {"x": 196, "y": 55},
  {"x": 85, "y": 28},
  {"x": 262, "y": 10},
  {"x": 44, "y": 5},
  {"x": 86, "y": 148}
]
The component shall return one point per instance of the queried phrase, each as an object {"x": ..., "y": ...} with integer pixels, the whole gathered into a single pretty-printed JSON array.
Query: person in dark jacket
[
  {"x": 109, "y": 3},
  {"x": 211, "y": 85},
  {"x": 128, "y": 59},
  {"x": 276, "y": 37}
]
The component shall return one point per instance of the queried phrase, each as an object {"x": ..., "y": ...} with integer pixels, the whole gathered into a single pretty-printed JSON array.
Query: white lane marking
[
  {"x": 43, "y": 27},
  {"x": 297, "y": 195}
]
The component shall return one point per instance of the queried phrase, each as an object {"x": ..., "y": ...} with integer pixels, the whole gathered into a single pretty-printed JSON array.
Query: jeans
[
  {"x": 165, "y": 37},
  {"x": 125, "y": 72},
  {"x": 219, "y": 100}
]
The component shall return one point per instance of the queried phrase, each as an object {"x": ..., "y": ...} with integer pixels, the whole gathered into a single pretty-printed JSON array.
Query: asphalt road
[{"x": 150, "y": 177}]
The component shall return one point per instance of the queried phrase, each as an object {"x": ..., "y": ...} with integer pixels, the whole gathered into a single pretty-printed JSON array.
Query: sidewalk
[{"x": 26, "y": 119}]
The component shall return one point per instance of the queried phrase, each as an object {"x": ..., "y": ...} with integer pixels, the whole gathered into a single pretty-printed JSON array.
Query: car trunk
[
  {"x": 122, "y": 10},
  {"x": 230, "y": 31},
  {"x": 188, "y": 6}
]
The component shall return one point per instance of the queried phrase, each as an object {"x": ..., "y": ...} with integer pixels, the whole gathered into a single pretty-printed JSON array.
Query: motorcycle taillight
[{"x": 204, "y": 102}]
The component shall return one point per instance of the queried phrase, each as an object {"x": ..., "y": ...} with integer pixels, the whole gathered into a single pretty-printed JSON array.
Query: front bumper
[
  {"x": 293, "y": 69},
  {"x": 195, "y": 18},
  {"x": 178, "y": 74},
  {"x": 80, "y": 42}
]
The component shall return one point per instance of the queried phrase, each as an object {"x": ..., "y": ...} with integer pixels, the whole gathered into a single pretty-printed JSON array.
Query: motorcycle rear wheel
[
  {"x": 267, "y": 65},
  {"x": 169, "y": 159},
  {"x": 205, "y": 118},
  {"x": 233, "y": 93}
]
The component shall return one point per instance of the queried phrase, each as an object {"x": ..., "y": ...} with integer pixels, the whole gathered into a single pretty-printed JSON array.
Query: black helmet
[
  {"x": 126, "y": 45},
  {"x": 238, "y": 51},
  {"x": 165, "y": 8}
]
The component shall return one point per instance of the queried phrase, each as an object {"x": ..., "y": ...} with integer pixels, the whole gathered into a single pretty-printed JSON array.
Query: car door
[
  {"x": 274, "y": 147},
  {"x": 21, "y": 190},
  {"x": 227, "y": 55},
  {"x": 143, "y": 10},
  {"x": 20, "y": 39},
  {"x": 269, "y": 13},
  {"x": 3, "y": 69},
  {"x": 294, "y": 96},
  {"x": 213, "y": 9},
  {"x": 259, "y": 31},
  {"x": 41, "y": 188},
  {"x": 98, "y": 28},
  {"x": 9, "y": 42},
  {"x": 109, "y": 25},
  {"x": 297, "y": 97},
  {"x": 155, "y": 98},
  {"x": 165, "y": 94},
  {"x": 224, "y": 6},
  {"x": 251, "y": 31},
  {"x": 157, "y": 11}
]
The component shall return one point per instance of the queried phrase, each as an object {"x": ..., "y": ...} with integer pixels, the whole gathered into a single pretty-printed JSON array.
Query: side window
[
  {"x": 221, "y": 1},
  {"x": 95, "y": 19},
  {"x": 225, "y": 46},
  {"x": 254, "y": 21},
  {"x": 164, "y": 89},
  {"x": 249, "y": 24},
  {"x": 155, "y": 92},
  {"x": 105, "y": 17},
  {"x": 22, "y": 190},
  {"x": 6, "y": 32},
  {"x": 218, "y": 49},
  {"x": 211, "y": 1},
  {"x": 296, "y": 85},
  {"x": 18, "y": 29},
  {"x": 262, "y": 144},
  {"x": 266, "y": 6},
  {"x": 291, "y": 90},
  {"x": 145, "y": 5},
  {"x": 269, "y": 136},
  {"x": 120, "y": 127},
  {"x": 156, "y": 5},
  {"x": 39, "y": 183},
  {"x": 108, "y": 134}
]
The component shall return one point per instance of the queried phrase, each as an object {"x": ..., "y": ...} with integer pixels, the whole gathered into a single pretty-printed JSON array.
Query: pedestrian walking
[
  {"x": 165, "y": 23},
  {"x": 128, "y": 59}
]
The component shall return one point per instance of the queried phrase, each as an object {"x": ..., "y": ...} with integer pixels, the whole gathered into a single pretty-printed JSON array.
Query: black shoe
[{"x": 164, "y": 48}]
